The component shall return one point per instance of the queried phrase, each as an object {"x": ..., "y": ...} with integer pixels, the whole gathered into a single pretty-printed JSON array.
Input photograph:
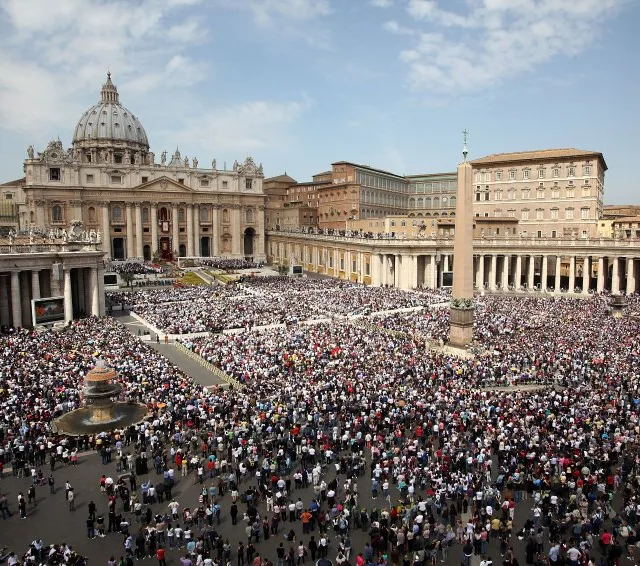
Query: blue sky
[{"x": 298, "y": 84}]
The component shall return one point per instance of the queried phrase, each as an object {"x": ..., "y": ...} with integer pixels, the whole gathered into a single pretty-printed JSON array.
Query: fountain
[{"x": 100, "y": 412}]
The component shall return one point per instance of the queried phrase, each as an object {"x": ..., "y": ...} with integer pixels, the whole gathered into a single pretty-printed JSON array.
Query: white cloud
[
  {"x": 394, "y": 27},
  {"x": 256, "y": 125},
  {"x": 53, "y": 52},
  {"x": 381, "y": 3},
  {"x": 495, "y": 39}
]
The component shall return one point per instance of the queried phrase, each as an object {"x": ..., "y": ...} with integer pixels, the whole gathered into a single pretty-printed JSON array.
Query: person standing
[
  {"x": 161, "y": 556},
  {"x": 52, "y": 481},
  {"x": 22, "y": 506},
  {"x": 71, "y": 498}
]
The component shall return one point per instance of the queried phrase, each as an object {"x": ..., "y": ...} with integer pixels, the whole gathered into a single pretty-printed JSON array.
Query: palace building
[{"x": 109, "y": 179}]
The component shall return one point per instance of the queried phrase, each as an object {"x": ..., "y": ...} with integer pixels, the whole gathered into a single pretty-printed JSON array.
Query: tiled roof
[{"x": 543, "y": 154}]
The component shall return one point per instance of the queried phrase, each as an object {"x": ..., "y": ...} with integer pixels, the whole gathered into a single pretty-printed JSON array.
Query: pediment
[{"x": 163, "y": 185}]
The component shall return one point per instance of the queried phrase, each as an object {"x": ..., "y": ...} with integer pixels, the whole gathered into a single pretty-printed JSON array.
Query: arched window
[
  {"x": 92, "y": 214},
  {"x": 249, "y": 216},
  {"x": 164, "y": 214},
  {"x": 225, "y": 215},
  {"x": 56, "y": 213},
  {"x": 116, "y": 213},
  {"x": 181, "y": 215}
]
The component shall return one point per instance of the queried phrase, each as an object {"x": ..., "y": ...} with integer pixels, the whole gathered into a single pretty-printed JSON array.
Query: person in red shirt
[{"x": 160, "y": 557}]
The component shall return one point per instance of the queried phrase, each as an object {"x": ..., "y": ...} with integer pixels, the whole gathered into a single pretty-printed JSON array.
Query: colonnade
[{"x": 80, "y": 287}]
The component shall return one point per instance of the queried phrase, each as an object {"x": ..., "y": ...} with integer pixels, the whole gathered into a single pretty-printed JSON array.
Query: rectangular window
[
  {"x": 486, "y": 196},
  {"x": 89, "y": 178},
  {"x": 487, "y": 177},
  {"x": 145, "y": 179},
  {"x": 512, "y": 175},
  {"x": 541, "y": 173},
  {"x": 181, "y": 181},
  {"x": 341, "y": 264},
  {"x": 116, "y": 179},
  {"x": 248, "y": 184},
  {"x": 555, "y": 193},
  {"x": 572, "y": 171},
  {"x": 569, "y": 193},
  {"x": 539, "y": 214},
  {"x": 525, "y": 215},
  {"x": 540, "y": 193},
  {"x": 556, "y": 172},
  {"x": 525, "y": 194},
  {"x": 117, "y": 158},
  {"x": 498, "y": 175},
  {"x": 477, "y": 196},
  {"x": 526, "y": 174},
  {"x": 554, "y": 214},
  {"x": 225, "y": 184},
  {"x": 8, "y": 196},
  {"x": 204, "y": 182},
  {"x": 587, "y": 170},
  {"x": 367, "y": 269},
  {"x": 54, "y": 173},
  {"x": 569, "y": 214},
  {"x": 553, "y": 233},
  {"x": 584, "y": 213}
]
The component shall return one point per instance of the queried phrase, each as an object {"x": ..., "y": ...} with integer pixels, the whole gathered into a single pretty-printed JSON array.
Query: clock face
[{"x": 54, "y": 155}]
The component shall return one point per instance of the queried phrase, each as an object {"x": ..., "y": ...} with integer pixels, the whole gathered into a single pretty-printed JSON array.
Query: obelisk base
[{"x": 461, "y": 329}]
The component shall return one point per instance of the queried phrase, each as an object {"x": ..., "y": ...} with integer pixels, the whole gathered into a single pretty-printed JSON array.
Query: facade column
[
  {"x": 412, "y": 274},
  {"x": 215, "y": 236},
  {"x": 259, "y": 242},
  {"x": 106, "y": 228},
  {"x": 545, "y": 273},
  {"x": 517, "y": 282},
  {"x": 154, "y": 229},
  {"x": 505, "y": 271},
  {"x": 531, "y": 271},
  {"x": 237, "y": 230},
  {"x": 139, "y": 250},
  {"x": 5, "y": 316},
  {"x": 175, "y": 231},
  {"x": 196, "y": 231},
  {"x": 445, "y": 260},
  {"x": 35, "y": 284},
  {"x": 68, "y": 297},
  {"x": 601, "y": 278},
  {"x": 586, "y": 274},
  {"x": 130, "y": 243},
  {"x": 572, "y": 274},
  {"x": 397, "y": 270},
  {"x": 557, "y": 274},
  {"x": 615, "y": 276},
  {"x": 631, "y": 275},
  {"x": 189, "y": 231},
  {"x": 492, "y": 272},
  {"x": 16, "y": 304},
  {"x": 95, "y": 295},
  {"x": 56, "y": 270}
]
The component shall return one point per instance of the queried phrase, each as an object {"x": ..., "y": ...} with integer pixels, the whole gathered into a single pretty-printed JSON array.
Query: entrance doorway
[
  {"x": 182, "y": 251},
  {"x": 146, "y": 252},
  {"x": 205, "y": 250},
  {"x": 249, "y": 236},
  {"x": 118, "y": 248},
  {"x": 165, "y": 249}
]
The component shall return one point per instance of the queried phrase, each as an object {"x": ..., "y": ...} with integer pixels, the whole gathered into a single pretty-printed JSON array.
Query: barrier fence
[{"x": 207, "y": 365}]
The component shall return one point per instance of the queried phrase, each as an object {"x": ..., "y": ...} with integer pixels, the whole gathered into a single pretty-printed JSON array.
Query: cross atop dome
[{"x": 109, "y": 92}]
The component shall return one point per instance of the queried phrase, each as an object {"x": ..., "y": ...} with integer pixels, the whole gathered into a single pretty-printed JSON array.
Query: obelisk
[{"x": 462, "y": 309}]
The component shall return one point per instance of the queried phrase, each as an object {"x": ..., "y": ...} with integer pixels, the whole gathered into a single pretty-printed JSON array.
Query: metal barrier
[{"x": 213, "y": 369}]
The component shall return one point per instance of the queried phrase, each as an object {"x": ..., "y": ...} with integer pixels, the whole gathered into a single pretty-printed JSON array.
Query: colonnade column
[
  {"x": 601, "y": 279},
  {"x": 4, "y": 300},
  {"x": 531, "y": 271},
  {"x": 545, "y": 273},
  {"x": 154, "y": 229},
  {"x": 130, "y": 242},
  {"x": 237, "y": 231},
  {"x": 557, "y": 274},
  {"x": 35, "y": 284},
  {"x": 260, "y": 238},
  {"x": 16, "y": 305},
  {"x": 480, "y": 272},
  {"x": 175, "y": 239},
  {"x": 615, "y": 276},
  {"x": 586, "y": 274},
  {"x": 196, "y": 230},
  {"x": 68, "y": 296},
  {"x": 505, "y": 271},
  {"x": 517, "y": 282},
  {"x": 631, "y": 276},
  {"x": 189, "y": 230},
  {"x": 106, "y": 228},
  {"x": 572, "y": 274},
  {"x": 492, "y": 272},
  {"x": 215, "y": 220},
  {"x": 95, "y": 296},
  {"x": 139, "y": 250}
]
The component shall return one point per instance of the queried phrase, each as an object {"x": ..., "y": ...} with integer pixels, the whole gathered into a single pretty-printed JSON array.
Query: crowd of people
[
  {"x": 424, "y": 452},
  {"x": 133, "y": 267},
  {"x": 230, "y": 264}
]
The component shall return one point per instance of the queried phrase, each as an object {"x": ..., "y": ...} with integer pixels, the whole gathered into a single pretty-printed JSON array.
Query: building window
[
  {"x": 56, "y": 213},
  {"x": 181, "y": 181},
  {"x": 498, "y": 195},
  {"x": 92, "y": 214},
  {"x": 181, "y": 215},
  {"x": 116, "y": 213},
  {"x": 540, "y": 214},
  {"x": 541, "y": 173},
  {"x": 204, "y": 182},
  {"x": 556, "y": 172},
  {"x": 341, "y": 264},
  {"x": 145, "y": 179},
  {"x": 225, "y": 184},
  {"x": 8, "y": 196},
  {"x": 569, "y": 214},
  {"x": 89, "y": 178},
  {"x": 540, "y": 193},
  {"x": 526, "y": 174},
  {"x": 584, "y": 213},
  {"x": 117, "y": 158},
  {"x": 586, "y": 170},
  {"x": 553, "y": 233},
  {"x": 54, "y": 173},
  {"x": 204, "y": 214},
  {"x": 570, "y": 193},
  {"x": 478, "y": 177},
  {"x": 555, "y": 193},
  {"x": 249, "y": 216},
  {"x": 498, "y": 175},
  {"x": 248, "y": 184},
  {"x": 145, "y": 214},
  {"x": 486, "y": 196},
  {"x": 525, "y": 194},
  {"x": 403, "y": 223},
  {"x": 487, "y": 177},
  {"x": 116, "y": 179},
  {"x": 477, "y": 196},
  {"x": 525, "y": 214},
  {"x": 572, "y": 171},
  {"x": 512, "y": 175},
  {"x": 554, "y": 214},
  {"x": 511, "y": 195},
  {"x": 511, "y": 213}
]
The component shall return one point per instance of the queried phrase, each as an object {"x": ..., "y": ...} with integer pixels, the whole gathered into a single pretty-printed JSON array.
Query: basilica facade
[{"x": 109, "y": 180}]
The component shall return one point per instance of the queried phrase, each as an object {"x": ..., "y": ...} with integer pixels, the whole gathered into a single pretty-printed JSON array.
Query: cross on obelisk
[{"x": 462, "y": 312}]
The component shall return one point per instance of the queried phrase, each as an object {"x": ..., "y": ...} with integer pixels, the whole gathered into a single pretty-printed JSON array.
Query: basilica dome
[{"x": 108, "y": 123}]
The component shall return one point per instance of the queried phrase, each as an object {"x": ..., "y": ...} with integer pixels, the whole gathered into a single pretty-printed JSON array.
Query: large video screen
[
  {"x": 47, "y": 311},
  {"x": 110, "y": 279},
  {"x": 296, "y": 269},
  {"x": 447, "y": 278}
]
